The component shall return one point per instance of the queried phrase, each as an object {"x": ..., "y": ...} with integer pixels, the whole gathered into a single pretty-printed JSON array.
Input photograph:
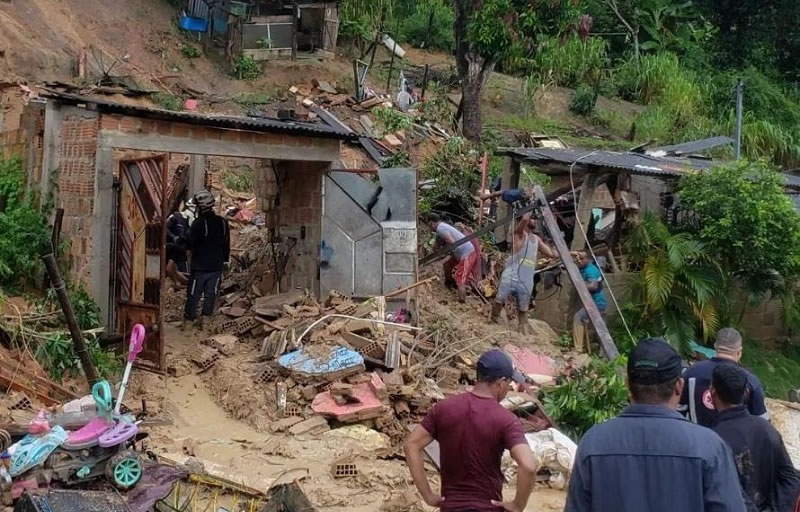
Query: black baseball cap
[
  {"x": 496, "y": 363},
  {"x": 653, "y": 361}
]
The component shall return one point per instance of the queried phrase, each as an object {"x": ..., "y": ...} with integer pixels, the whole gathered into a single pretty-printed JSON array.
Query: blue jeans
[{"x": 205, "y": 284}]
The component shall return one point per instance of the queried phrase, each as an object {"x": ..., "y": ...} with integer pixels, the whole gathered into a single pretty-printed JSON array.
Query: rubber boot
[{"x": 199, "y": 323}]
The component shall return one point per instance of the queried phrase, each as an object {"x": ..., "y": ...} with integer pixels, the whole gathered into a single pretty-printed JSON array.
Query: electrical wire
[{"x": 589, "y": 245}]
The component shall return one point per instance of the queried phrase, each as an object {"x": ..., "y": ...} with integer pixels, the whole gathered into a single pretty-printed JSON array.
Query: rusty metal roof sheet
[
  {"x": 695, "y": 146},
  {"x": 268, "y": 125},
  {"x": 636, "y": 163}
]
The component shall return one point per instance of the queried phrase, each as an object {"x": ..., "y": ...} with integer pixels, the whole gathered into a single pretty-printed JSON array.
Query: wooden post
[
  {"x": 484, "y": 165},
  {"x": 510, "y": 179},
  {"x": 595, "y": 317},
  {"x": 584, "y": 212},
  {"x": 69, "y": 315}
]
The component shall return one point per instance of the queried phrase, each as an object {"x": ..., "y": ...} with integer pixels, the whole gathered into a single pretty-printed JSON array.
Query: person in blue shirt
[
  {"x": 696, "y": 402},
  {"x": 594, "y": 283},
  {"x": 650, "y": 458}
]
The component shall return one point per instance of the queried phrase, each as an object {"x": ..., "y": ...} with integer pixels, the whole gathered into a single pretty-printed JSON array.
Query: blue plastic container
[{"x": 193, "y": 24}]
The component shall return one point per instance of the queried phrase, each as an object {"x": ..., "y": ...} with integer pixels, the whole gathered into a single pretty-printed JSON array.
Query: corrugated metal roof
[
  {"x": 634, "y": 162},
  {"x": 695, "y": 146},
  {"x": 267, "y": 125},
  {"x": 791, "y": 181}
]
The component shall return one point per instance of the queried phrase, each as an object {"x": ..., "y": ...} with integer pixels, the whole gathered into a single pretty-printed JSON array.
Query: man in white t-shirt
[{"x": 459, "y": 266}]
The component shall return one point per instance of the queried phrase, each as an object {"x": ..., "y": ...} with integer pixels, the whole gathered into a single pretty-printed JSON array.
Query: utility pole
[{"x": 739, "y": 96}]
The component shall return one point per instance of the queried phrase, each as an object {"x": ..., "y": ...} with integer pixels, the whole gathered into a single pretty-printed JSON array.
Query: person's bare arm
[
  {"x": 546, "y": 249},
  {"x": 492, "y": 195},
  {"x": 415, "y": 459},
  {"x": 522, "y": 225},
  {"x": 526, "y": 472}
]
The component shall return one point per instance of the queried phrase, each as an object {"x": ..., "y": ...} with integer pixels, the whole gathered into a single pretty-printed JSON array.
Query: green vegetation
[
  {"x": 25, "y": 233},
  {"x": 396, "y": 159},
  {"x": 168, "y": 101},
  {"x": 238, "y": 179},
  {"x": 246, "y": 68},
  {"x": 264, "y": 43},
  {"x": 252, "y": 99},
  {"x": 190, "y": 52},
  {"x": 391, "y": 120},
  {"x": 57, "y": 355},
  {"x": 590, "y": 395},
  {"x": 777, "y": 367},
  {"x": 583, "y": 100}
]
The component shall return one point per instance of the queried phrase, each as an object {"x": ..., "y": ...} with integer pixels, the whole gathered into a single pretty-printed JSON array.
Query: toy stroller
[{"x": 99, "y": 448}]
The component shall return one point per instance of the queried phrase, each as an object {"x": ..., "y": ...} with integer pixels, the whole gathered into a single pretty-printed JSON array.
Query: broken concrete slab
[
  {"x": 309, "y": 363},
  {"x": 327, "y": 87},
  {"x": 392, "y": 140},
  {"x": 313, "y": 425},
  {"x": 278, "y": 300},
  {"x": 284, "y": 424},
  {"x": 368, "y": 406},
  {"x": 224, "y": 343},
  {"x": 530, "y": 363}
]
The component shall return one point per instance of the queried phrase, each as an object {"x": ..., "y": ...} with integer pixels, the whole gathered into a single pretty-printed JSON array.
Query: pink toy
[
  {"x": 90, "y": 432},
  {"x": 136, "y": 344}
]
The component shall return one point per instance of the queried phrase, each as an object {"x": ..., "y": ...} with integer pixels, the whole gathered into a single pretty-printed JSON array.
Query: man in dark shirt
[
  {"x": 770, "y": 482},
  {"x": 650, "y": 458},
  {"x": 696, "y": 401},
  {"x": 210, "y": 244},
  {"x": 473, "y": 430}
]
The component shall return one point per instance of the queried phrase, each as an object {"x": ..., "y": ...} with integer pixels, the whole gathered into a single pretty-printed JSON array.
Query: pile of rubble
[{"x": 287, "y": 363}]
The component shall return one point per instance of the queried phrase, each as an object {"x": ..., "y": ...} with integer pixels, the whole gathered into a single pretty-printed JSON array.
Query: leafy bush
[
  {"x": 85, "y": 308},
  {"x": 454, "y": 172},
  {"x": 572, "y": 62},
  {"x": 678, "y": 286},
  {"x": 391, "y": 120},
  {"x": 743, "y": 217},
  {"x": 239, "y": 179},
  {"x": 583, "y": 100},
  {"x": 57, "y": 355},
  {"x": 24, "y": 233},
  {"x": 168, "y": 101},
  {"x": 396, "y": 159},
  {"x": 430, "y": 25},
  {"x": 190, "y": 52},
  {"x": 591, "y": 395},
  {"x": 246, "y": 67}
]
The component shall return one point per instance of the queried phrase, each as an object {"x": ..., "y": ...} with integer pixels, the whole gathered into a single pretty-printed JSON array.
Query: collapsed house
[
  {"x": 601, "y": 189},
  {"x": 107, "y": 166}
]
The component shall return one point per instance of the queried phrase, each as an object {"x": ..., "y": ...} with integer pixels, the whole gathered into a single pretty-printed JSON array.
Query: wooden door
[{"x": 141, "y": 254}]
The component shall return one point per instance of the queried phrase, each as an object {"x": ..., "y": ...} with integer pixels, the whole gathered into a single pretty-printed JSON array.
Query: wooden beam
[
  {"x": 583, "y": 212},
  {"x": 595, "y": 317}
]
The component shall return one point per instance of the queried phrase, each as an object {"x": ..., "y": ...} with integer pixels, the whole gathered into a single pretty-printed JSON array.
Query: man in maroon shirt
[{"x": 473, "y": 430}]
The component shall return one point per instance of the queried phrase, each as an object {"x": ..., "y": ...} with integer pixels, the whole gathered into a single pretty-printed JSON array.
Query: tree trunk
[{"x": 473, "y": 69}]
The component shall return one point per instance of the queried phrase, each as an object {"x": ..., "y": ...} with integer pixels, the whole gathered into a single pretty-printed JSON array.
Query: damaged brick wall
[
  {"x": 297, "y": 214},
  {"x": 76, "y": 182}
]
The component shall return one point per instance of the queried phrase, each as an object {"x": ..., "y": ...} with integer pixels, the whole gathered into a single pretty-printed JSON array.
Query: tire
[{"x": 124, "y": 470}]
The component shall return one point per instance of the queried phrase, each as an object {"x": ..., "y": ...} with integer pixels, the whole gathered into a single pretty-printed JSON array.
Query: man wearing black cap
[
  {"x": 650, "y": 458},
  {"x": 473, "y": 430},
  {"x": 768, "y": 478}
]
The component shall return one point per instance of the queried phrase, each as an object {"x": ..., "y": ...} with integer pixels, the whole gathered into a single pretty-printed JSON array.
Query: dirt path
[{"x": 234, "y": 450}]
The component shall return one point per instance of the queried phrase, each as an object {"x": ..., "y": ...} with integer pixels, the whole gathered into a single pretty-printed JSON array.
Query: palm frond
[
  {"x": 659, "y": 277},
  {"x": 709, "y": 319}
]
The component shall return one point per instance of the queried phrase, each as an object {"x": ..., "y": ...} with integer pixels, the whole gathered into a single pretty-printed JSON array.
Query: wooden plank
[
  {"x": 596, "y": 318},
  {"x": 584, "y": 211}
]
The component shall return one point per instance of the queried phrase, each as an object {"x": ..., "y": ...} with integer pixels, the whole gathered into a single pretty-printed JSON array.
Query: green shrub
[
  {"x": 391, "y": 120},
  {"x": 57, "y": 355},
  {"x": 168, "y": 101},
  {"x": 246, "y": 67},
  {"x": 239, "y": 179},
  {"x": 572, "y": 62},
  {"x": 190, "y": 52},
  {"x": 396, "y": 159},
  {"x": 591, "y": 395},
  {"x": 430, "y": 26},
  {"x": 583, "y": 100}
]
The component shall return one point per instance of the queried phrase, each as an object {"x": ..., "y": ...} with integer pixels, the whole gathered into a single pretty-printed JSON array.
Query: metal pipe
[
  {"x": 69, "y": 314},
  {"x": 391, "y": 66},
  {"x": 739, "y": 97}
]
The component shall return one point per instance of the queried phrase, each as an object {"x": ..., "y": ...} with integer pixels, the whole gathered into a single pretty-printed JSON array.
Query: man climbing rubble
[
  {"x": 210, "y": 246},
  {"x": 458, "y": 268},
  {"x": 473, "y": 430},
  {"x": 649, "y": 458},
  {"x": 517, "y": 279}
]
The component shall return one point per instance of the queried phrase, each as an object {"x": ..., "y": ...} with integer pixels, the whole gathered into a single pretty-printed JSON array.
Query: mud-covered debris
[
  {"x": 313, "y": 425},
  {"x": 284, "y": 424}
]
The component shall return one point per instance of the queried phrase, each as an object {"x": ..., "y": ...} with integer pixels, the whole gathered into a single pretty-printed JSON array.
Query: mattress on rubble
[{"x": 71, "y": 501}]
